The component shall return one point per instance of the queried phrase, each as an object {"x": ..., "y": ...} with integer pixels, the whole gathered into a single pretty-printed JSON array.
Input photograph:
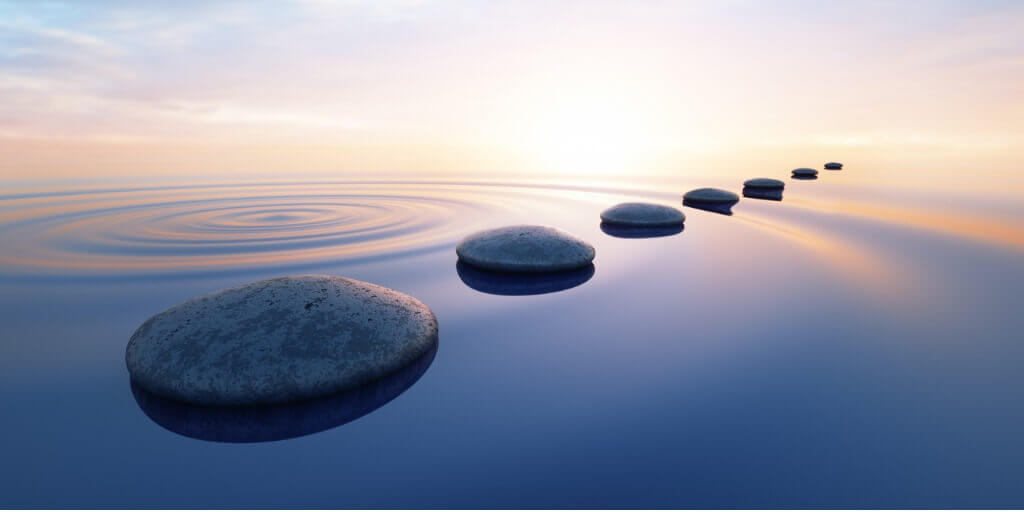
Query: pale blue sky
[{"x": 421, "y": 86}]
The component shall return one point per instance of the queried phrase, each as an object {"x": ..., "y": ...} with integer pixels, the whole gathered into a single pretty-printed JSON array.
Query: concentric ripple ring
[{"x": 195, "y": 229}]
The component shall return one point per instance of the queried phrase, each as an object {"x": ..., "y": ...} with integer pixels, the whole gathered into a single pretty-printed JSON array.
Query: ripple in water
[
  {"x": 221, "y": 228},
  {"x": 175, "y": 230}
]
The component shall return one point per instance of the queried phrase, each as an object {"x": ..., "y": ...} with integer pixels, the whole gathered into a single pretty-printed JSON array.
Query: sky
[{"x": 385, "y": 87}]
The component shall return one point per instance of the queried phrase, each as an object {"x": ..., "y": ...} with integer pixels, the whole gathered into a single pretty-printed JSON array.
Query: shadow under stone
[
  {"x": 724, "y": 208},
  {"x": 521, "y": 283},
  {"x": 260, "y": 423},
  {"x": 805, "y": 178},
  {"x": 621, "y": 231},
  {"x": 770, "y": 194}
]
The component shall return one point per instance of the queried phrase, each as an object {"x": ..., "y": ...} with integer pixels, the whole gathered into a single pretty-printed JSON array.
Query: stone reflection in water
[
  {"x": 724, "y": 208},
  {"x": 763, "y": 193},
  {"x": 516, "y": 283},
  {"x": 252, "y": 424},
  {"x": 620, "y": 231},
  {"x": 713, "y": 200}
]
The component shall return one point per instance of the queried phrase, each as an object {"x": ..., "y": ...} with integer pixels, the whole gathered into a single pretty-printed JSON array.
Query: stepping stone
[
  {"x": 525, "y": 249},
  {"x": 643, "y": 215},
  {"x": 710, "y": 195},
  {"x": 714, "y": 200},
  {"x": 804, "y": 172},
  {"x": 833, "y": 166},
  {"x": 279, "y": 340},
  {"x": 765, "y": 183},
  {"x": 261, "y": 423}
]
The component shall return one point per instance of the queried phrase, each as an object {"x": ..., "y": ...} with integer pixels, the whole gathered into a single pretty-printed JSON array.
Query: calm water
[{"x": 849, "y": 346}]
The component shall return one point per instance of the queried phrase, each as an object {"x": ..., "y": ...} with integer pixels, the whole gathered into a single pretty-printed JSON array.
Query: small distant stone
[
  {"x": 805, "y": 172},
  {"x": 833, "y": 166},
  {"x": 710, "y": 195},
  {"x": 766, "y": 183},
  {"x": 279, "y": 340},
  {"x": 643, "y": 215},
  {"x": 525, "y": 249}
]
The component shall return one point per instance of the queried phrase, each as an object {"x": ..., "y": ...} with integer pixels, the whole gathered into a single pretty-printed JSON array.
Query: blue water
[{"x": 847, "y": 346}]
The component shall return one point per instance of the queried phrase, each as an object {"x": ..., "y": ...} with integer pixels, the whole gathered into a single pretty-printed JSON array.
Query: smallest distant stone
[
  {"x": 833, "y": 166},
  {"x": 765, "y": 183},
  {"x": 643, "y": 214},
  {"x": 805, "y": 172},
  {"x": 710, "y": 195}
]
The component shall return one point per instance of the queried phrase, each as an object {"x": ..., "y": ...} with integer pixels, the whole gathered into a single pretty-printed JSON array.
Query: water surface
[{"x": 852, "y": 345}]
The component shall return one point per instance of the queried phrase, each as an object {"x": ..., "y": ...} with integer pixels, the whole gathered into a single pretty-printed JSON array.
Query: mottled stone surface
[
  {"x": 272, "y": 422},
  {"x": 525, "y": 249},
  {"x": 710, "y": 195},
  {"x": 643, "y": 214},
  {"x": 279, "y": 340},
  {"x": 766, "y": 183},
  {"x": 833, "y": 166},
  {"x": 805, "y": 172}
]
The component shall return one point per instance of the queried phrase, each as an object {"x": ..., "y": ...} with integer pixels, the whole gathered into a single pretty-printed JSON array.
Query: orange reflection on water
[
  {"x": 962, "y": 223},
  {"x": 865, "y": 267},
  {"x": 161, "y": 229}
]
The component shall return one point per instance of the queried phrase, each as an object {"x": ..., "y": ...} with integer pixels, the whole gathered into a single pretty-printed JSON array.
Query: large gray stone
[
  {"x": 764, "y": 183},
  {"x": 272, "y": 422},
  {"x": 804, "y": 172},
  {"x": 525, "y": 249},
  {"x": 279, "y": 340},
  {"x": 643, "y": 215},
  {"x": 833, "y": 166},
  {"x": 710, "y": 195}
]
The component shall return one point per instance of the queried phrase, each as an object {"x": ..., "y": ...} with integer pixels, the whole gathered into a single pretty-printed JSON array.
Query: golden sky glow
[{"x": 497, "y": 88}]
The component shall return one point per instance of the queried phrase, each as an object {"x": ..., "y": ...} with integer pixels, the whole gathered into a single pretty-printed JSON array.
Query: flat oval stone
[
  {"x": 764, "y": 183},
  {"x": 279, "y": 340},
  {"x": 273, "y": 422},
  {"x": 711, "y": 195},
  {"x": 525, "y": 249},
  {"x": 643, "y": 214},
  {"x": 804, "y": 171},
  {"x": 833, "y": 166}
]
